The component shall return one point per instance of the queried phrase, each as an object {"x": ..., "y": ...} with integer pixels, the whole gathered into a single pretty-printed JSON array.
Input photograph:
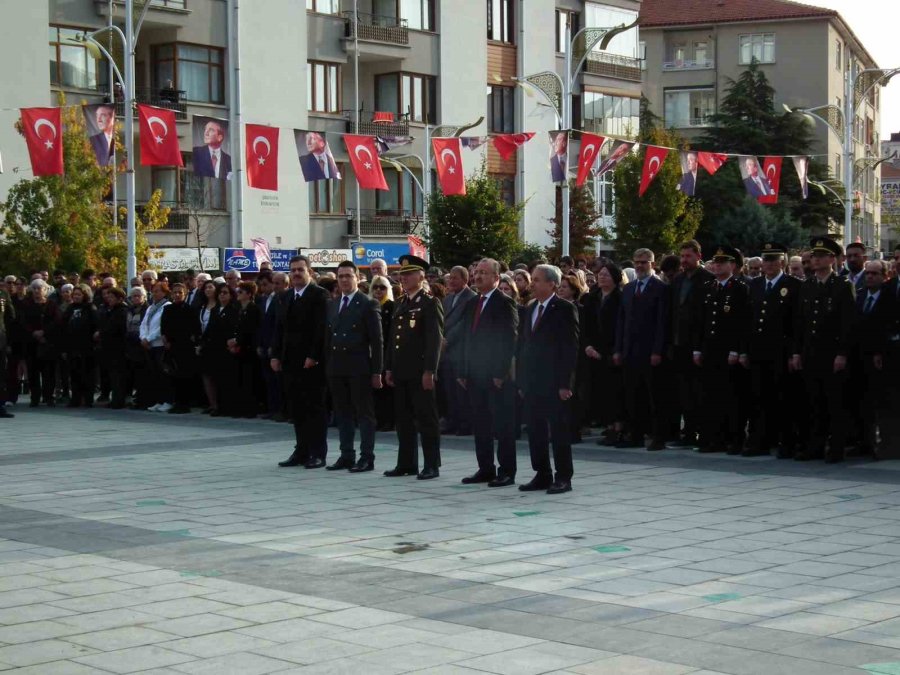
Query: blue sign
[
  {"x": 364, "y": 252},
  {"x": 244, "y": 259}
]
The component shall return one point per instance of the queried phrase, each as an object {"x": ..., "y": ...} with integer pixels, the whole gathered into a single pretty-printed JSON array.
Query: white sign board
[
  {"x": 181, "y": 259},
  {"x": 327, "y": 257}
]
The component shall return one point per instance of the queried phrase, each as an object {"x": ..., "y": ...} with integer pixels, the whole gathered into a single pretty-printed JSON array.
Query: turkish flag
[
  {"x": 711, "y": 161},
  {"x": 507, "y": 144},
  {"x": 772, "y": 169},
  {"x": 448, "y": 159},
  {"x": 416, "y": 246},
  {"x": 159, "y": 136},
  {"x": 261, "y": 152},
  {"x": 587, "y": 155},
  {"x": 654, "y": 157},
  {"x": 43, "y": 135},
  {"x": 364, "y": 159}
]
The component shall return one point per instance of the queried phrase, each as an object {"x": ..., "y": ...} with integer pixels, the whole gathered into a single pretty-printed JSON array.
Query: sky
[{"x": 875, "y": 24}]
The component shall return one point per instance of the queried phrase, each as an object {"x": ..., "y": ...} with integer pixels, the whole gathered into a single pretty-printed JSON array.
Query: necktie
[
  {"x": 322, "y": 165},
  {"x": 759, "y": 184},
  {"x": 869, "y": 302},
  {"x": 343, "y": 304},
  {"x": 215, "y": 163},
  {"x": 640, "y": 288},
  {"x": 478, "y": 309},
  {"x": 537, "y": 320},
  {"x": 768, "y": 287}
]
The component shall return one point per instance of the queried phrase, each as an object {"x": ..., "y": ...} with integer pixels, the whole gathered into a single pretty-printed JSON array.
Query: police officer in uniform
[
  {"x": 822, "y": 342},
  {"x": 773, "y": 301},
  {"x": 720, "y": 350},
  {"x": 7, "y": 321},
  {"x": 411, "y": 361}
]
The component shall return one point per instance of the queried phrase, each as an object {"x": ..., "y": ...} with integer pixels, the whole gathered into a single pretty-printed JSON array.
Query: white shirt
[
  {"x": 349, "y": 300},
  {"x": 537, "y": 309},
  {"x": 322, "y": 160},
  {"x": 217, "y": 164},
  {"x": 268, "y": 301},
  {"x": 487, "y": 296},
  {"x": 151, "y": 329},
  {"x": 298, "y": 293},
  {"x": 874, "y": 297},
  {"x": 774, "y": 281}
]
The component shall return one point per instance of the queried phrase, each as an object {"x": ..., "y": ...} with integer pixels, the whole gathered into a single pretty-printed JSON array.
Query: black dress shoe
[
  {"x": 502, "y": 481},
  {"x": 807, "y": 456},
  {"x": 293, "y": 460},
  {"x": 733, "y": 450},
  {"x": 362, "y": 465},
  {"x": 559, "y": 486},
  {"x": 656, "y": 446},
  {"x": 34, "y": 404},
  {"x": 710, "y": 449},
  {"x": 314, "y": 463},
  {"x": 397, "y": 471},
  {"x": 784, "y": 453},
  {"x": 479, "y": 477},
  {"x": 428, "y": 473},
  {"x": 340, "y": 464},
  {"x": 536, "y": 484}
]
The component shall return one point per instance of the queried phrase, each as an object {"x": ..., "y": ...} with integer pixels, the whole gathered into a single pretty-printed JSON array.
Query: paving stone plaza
[{"x": 135, "y": 542}]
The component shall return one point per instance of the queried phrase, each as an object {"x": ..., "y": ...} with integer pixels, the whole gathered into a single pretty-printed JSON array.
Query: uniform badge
[
  {"x": 784, "y": 292},
  {"x": 412, "y": 323},
  {"x": 727, "y": 308}
]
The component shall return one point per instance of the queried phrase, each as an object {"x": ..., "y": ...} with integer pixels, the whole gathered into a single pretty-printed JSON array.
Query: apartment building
[
  {"x": 890, "y": 194},
  {"x": 692, "y": 47},
  {"x": 393, "y": 65}
]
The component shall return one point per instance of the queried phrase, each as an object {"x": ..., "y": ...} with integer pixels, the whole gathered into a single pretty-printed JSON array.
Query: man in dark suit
[
  {"x": 822, "y": 343},
  {"x": 688, "y": 183},
  {"x": 855, "y": 266},
  {"x": 720, "y": 348},
  {"x": 355, "y": 353},
  {"x": 104, "y": 141},
  {"x": 7, "y": 323},
  {"x": 687, "y": 287},
  {"x": 641, "y": 338},
  {"x": 545, "y": 374},
  {"x": 459, "y": 415},
  {"x": 268, "y": 302},
  {"x": 298, "y": 351},
  {"x": 490, "y": 331},
  {"x": 412, "y": 361},
  {"x": 559, "y": 161},
  {"x": 209, "y": 159},
  {"x": 756, "y": 185},
  {"x": 318, "y": 164},
  {"x": 890, "y": 418},
  {"x": 774, "y": 300},
  {"x": 196, "y": 298}
]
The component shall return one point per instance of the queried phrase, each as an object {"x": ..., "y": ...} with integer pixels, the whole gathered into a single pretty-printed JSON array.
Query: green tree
[
  {"x": 749, "y": 226},
  {"x": 463, "y": 228},
  {"x": 62, "y": 221},
  {"x": 663, "y": 217},
  {"x": 583, "y": 228}
]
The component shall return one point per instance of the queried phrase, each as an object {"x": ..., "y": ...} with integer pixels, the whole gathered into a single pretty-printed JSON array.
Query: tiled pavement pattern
[{"x": 134, "y": 542}]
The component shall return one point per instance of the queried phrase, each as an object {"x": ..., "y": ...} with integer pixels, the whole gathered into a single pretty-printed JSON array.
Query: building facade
[
  {"x": 693, "y": 48},
  {"x": 376, "y": 67}
]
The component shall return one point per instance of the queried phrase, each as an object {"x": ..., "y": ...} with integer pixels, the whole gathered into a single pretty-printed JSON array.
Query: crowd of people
[{"x": 799, "y": 356}]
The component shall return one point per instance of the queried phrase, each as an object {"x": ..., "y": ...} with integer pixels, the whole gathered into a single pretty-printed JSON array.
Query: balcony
[
  {"x": 179, "y": 218},
  {"x": 613, "y": 65},
  {"x": 383, "y": 223},
  {"x": 368, "y": 127},
  {"x": 377, "y": 28},
  {"x": 171, "y": 99},
  {"x": 687, "y": 64}
]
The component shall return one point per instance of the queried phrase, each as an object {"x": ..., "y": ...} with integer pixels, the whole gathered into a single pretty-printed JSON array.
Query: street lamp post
[{"x": 558, "y": 90}]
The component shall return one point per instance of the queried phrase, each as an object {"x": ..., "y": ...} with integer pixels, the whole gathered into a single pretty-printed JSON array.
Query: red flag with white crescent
[
  {"x": 262, "y": 157},
  {"x": 587, "y": 155},
  {"x": 43, "y": 136},
  {"x": 711, "y": 161},
  {"x": 364, "y": 160},
  {"x": 507, "y": 144},
  {"x": 772, "y": 169},
  {"x": 159, "y": 136},
  {"x": 654, "y": 157},
  {"x": 448, "y": 160}
]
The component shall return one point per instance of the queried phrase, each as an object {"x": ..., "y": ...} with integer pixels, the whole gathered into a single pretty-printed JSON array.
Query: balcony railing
[
  {"x": 173, "y": 99},
  {"x": 399, "y": 127},
  {"x": 179, "y": 218},
  {"x": 613, "y": 65},
  {"x": 684, "y": 64},
  {"x": 380, "y": 223},
  {"x": 378, "y": 28}
]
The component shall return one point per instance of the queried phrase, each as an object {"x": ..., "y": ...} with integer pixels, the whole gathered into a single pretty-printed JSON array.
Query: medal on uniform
[
  {"x": 784, "y": 292},
  {"x": 727, "y": 308},
  {"x": 412, "y": 323}
]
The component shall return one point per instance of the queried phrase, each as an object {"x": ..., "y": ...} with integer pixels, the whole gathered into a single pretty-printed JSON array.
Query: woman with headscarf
[
  {"x": 42, "y": 322},
  {"x": 381, "y": 292},
  {"x": 80, "y": 325}
]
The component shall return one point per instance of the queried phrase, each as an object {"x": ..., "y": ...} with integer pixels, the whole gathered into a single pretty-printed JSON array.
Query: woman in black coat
[
  {"x": 135, "y": 355},
  {"x": 42, "y": 324},
  {"x": 243, "y": 347},
  {"x": 180, "y": 327},
  {"x": 80, "y": 324},
  {"x": 113, "y": 327},
  {"x": 598, "y": 345},
  {"x": 222, "y": 364},
  {"x": 380, "y": 291}
]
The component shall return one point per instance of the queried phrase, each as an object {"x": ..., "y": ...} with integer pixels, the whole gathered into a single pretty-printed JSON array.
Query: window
[
  {"x": 327, "y": 196},
  {"x": 70, "y": 64},
  {"x": 323, "y": 87},
  {"x": 507, "y": 185},
  {"x": 406, "y": 94},
  {"x": 759, "y": 46},
  {"x": 689, "y": 107},
  {"x": 611, "y": 115},
  {"x": 419, "y": 14},
  {"x": 688, "y": 54},
  {"x": 181, "y": 187},
  {"x": 625, "y": 44},
  {"x": 324, "y": 6},
  {"x": 562, "y": 16},
  {"x": 838, "y": 62},
  {"x": 402, "y": 196},
  {"x": 701, "y": 53},
  {"x": 500, "y": 23},
  {"x": 501, "y": 109},
  {"x": 642, "y": 54},
  {"x": 194, "y": 69}
]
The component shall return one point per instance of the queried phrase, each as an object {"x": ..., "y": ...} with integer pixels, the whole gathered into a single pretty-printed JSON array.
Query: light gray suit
[{"x": 458, "y": 409}]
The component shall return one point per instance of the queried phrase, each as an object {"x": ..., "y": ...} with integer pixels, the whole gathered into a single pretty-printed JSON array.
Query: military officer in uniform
[
  {"x": 7, "y": 320},
  {"x": 720, "y": 349},
  {"x": 773, "y": 302},
  {"x": 412, "y": 355},
  {"x": 822, "y": 340}
]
